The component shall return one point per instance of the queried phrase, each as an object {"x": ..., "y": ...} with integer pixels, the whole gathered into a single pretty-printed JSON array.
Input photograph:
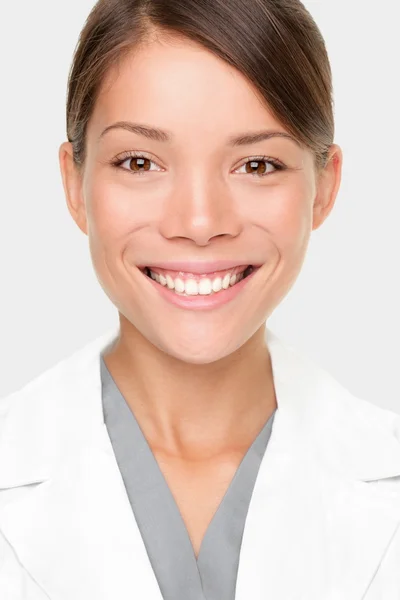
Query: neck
[{"x": 196, "y": 411}]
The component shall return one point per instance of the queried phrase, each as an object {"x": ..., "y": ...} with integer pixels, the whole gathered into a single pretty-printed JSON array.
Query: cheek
[
  {"x": 115, "y": 210},
  {"x": 285, "y": 213}
]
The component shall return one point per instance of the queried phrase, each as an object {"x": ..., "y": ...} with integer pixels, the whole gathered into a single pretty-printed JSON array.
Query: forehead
[{"x": 182, "y": 87}]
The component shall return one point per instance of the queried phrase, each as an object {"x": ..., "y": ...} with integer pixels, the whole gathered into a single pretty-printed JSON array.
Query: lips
[
  {"x": 204, "y": 286},
  {"x": 193, "y": 267},
  {"x": 203, "y": 294},
  {"x": 191, "y": 275}
]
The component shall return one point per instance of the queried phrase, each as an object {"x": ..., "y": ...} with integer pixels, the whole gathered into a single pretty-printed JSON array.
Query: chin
[{"x": 199, "y": 350}]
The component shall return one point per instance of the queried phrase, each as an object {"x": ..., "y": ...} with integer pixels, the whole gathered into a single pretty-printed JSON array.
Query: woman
[{"x": 190, "y": 453}]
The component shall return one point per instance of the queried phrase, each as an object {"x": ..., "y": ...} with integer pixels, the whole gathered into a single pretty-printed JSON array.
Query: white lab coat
[{"x": 323, "y": 522}]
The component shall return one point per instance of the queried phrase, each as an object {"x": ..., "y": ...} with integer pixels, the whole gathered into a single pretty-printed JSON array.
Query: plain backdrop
[{"x": 342, "y": 311}]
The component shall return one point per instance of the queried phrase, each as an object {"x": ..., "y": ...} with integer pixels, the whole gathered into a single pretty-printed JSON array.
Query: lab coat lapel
[
  {"x": 326, "y": 502},
  {"x": 72, "y": 529},
  {"x": 317, "y": 527},
  {"x": 310, "y": 535},
  {"x": 75, "y": 533}
]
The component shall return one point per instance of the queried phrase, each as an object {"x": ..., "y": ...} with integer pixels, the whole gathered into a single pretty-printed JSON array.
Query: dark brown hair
[{"x": 276, "y": 44}]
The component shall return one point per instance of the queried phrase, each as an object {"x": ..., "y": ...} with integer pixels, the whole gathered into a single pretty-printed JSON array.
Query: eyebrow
[{"x": 160, "y": 135}]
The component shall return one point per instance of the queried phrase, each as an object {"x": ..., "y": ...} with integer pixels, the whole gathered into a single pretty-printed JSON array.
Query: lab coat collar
[{"x": 325, "y": 505}]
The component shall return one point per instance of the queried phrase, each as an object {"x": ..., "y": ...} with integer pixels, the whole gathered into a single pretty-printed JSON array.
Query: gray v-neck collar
[{"x": 180, "y": 576}]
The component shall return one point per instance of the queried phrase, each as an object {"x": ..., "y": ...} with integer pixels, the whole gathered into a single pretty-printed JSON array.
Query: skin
[{"x": 200, "y": 382}]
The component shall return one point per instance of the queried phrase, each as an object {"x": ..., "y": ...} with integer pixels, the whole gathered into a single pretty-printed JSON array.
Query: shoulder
[
  {"x": 352, "y": 436},
  {"x": 32, "y": 400}
]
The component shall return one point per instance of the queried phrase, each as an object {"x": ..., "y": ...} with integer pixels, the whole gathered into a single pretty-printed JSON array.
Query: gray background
[{"x": 343, "y": 309}]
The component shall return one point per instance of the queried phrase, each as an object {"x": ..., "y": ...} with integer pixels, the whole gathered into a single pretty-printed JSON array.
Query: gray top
[{"x": 212, "y": 576}]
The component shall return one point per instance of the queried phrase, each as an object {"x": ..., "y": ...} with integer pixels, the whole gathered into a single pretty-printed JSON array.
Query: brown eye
[
  {"x": 256, "y": 166},
  {"x": 260, "y": 166},
  {"x": 137, "y": 163}
]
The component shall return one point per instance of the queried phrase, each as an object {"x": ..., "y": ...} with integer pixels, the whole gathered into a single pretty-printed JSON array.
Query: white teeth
[
  {"x": 170, "y": 282},
  {"x": 217, "y": 284},
  {"x": 179, "y": 285},
  {"x": 205, "y": 287},
  {"x": 226, "y": 280},
  {"x": 191, "y": 287}
]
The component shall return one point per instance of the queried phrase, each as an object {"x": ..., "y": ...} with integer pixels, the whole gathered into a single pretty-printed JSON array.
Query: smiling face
[{"x": 190, "y": 194}]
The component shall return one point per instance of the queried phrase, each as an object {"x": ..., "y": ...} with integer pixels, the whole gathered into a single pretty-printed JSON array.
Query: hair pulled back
[{"x": 276, "y": 44}]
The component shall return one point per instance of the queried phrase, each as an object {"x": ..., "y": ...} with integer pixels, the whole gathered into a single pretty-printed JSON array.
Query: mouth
[{"x": 191, "y": 284}]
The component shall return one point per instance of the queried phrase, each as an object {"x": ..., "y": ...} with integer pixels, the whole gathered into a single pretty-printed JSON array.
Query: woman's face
[{"x": 193, "y": 197}]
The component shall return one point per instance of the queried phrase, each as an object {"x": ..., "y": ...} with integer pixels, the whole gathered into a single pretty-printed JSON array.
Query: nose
[{"x": 201, "y": 209}]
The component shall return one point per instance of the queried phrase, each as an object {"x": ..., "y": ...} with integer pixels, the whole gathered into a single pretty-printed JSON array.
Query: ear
[
  {"x": 72, "y": 182},
  {"x": 328, "y": 183}
]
